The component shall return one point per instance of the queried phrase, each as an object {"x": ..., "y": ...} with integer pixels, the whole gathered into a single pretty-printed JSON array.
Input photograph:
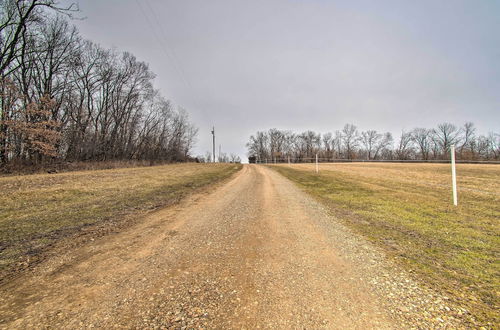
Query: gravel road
[{"x": 257, "y": 252}]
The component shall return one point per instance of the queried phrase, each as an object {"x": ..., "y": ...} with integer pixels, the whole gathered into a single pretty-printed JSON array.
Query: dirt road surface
[{"x": 257, "y": 252}]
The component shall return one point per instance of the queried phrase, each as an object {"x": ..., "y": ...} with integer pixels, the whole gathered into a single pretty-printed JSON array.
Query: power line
[
  {"x": 160, "y": 44},
  {"x": 172, "y": 49},
  {"x": 163, "y": 44},
  {"x": 163, "y": 41}
]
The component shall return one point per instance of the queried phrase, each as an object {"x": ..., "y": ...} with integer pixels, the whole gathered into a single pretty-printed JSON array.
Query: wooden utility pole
[{"x": 213, "y": 141}]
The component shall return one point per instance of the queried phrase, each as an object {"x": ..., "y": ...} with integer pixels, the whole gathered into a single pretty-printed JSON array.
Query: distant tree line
[
  {"x": 352, "y": 144},
  {"x": 222, "y": 157},
  {"x": 229, "y": 158},
  {"x": 64, "y": 97}
]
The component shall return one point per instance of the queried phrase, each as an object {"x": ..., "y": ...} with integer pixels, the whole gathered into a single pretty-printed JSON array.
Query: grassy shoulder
[
  {"x": 36, "y": 211},
  {"x": 406, "y": 209}
]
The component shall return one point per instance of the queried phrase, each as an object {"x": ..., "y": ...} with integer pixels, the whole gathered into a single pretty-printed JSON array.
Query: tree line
[
  {"x": 222, "y": 157},
  {"x": 351, "y": 144},
  {"x": 66, "y": 98}
]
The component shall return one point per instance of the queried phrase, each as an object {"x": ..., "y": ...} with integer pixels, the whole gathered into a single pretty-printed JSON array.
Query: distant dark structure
[{"x": 252, "y": 159}]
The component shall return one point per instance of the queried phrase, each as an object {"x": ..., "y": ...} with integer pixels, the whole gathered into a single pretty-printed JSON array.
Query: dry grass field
[
  {"x": 407, "y": 210},
  {"x": 37, "y": 211}
]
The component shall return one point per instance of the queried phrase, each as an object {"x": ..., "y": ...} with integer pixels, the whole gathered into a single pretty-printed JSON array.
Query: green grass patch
[{"x": 406, "y": 209}]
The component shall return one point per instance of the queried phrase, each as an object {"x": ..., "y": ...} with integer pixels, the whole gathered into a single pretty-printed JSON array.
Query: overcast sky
[{"x": 253, "y": 65}]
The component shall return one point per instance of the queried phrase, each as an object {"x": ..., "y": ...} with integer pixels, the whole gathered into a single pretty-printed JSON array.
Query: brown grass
[
  {"x": 20, "y": 168},
  {"x": 407, "y": 209},
  {"x": 37, "y": 211}
]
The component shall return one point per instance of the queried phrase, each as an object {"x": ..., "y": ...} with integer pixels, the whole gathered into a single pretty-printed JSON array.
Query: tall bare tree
[
  {"x": 62, "y": 97},
  {"x": 446, "y": 135},
  {"x": 370, "y": 140},
  {"x": 405, "y": 146},
  {"x": 422, "y": 137},
  {"x": 16, "y": 18},
  {"x": 350, "y": 139}
]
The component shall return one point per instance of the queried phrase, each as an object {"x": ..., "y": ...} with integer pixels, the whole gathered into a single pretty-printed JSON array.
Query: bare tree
[
  {"x": 422, "y": 137},
  {"x": 62, "y": 97},
  {"x": 234, "y": 158},
  {"x": 277, "y": 141},
  {"x": 445, "y": 135},
  {"x": 328, "y": 145},
  {"x": 350, "y": 139},
  {"x": 466, "y": 149},
  {"x": 384, "y": 147},
  {"x": 404, "y": 148},
  {"x": 258, "y": 146},
  {"x": 337, "y": 144},
  {"x": 419, "y": 143},
  {"x": 370, "y": 140},
  {"x": 16, "y": 18}
]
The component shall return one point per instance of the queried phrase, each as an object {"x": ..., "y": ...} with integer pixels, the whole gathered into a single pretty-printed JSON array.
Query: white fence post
[
  {"x": 317, "y": 166},
  {"x": 288, "y": 160},
  {"x": 454, "y": 176}
]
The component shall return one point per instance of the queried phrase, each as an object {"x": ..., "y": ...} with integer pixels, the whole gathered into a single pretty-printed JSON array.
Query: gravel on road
[{"x": 255, "y": 253}]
